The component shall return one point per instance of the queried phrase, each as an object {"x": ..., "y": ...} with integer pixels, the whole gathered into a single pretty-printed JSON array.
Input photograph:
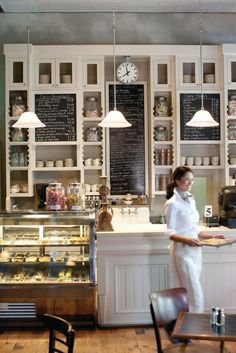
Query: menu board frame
[
  {"x": 58, "y": 111},
  {"x": 189, "y": 103},
  {"x": 125, "y": 133}
]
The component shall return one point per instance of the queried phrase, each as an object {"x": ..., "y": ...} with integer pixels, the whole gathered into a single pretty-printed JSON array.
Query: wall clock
[{"x": 127, "y": 72}]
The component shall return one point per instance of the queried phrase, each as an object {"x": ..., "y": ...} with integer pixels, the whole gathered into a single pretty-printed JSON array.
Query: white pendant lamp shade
[
  {"x": 114, "y": 119},
  {"x": 202, "y": 118},
  {"x": 28, "y": 120}
]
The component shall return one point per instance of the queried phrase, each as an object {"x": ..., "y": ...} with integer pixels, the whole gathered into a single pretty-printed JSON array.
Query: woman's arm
[{"x": 184, "y": 240}]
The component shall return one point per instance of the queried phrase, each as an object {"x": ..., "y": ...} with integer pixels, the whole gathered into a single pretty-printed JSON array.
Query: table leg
[{"x": 222, "y": 346}]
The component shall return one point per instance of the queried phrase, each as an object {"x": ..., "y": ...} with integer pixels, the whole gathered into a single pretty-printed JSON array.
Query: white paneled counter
[{"x": 134, "y": 260}]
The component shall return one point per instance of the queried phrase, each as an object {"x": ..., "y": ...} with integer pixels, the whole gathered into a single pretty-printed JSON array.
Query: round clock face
[{"x": 127, "y": 73}]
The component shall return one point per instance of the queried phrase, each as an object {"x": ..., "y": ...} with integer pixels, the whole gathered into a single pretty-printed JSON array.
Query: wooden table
[{"x": 197, "y": 326}]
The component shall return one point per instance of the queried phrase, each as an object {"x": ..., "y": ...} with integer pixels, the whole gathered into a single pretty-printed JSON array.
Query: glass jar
[
  {"x": 162, "y": 108},
  {"x": 55, "y": 197},
  {"x": 18, "y": 106},
  {"x": 92, "y": 134},
  {"x": 91, "y": 108},
  {"x": 160, "y": 133},
  {"x": 232, "y": 131},
  {"x": 75, "y": 197},
  {"x": 232, "y": 105}
]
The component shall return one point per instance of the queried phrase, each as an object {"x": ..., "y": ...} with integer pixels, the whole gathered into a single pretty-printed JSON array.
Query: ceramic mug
[
  {"x": 88, "y": 162},
  {"x": 198, "y": 161},
  {"x": 97, "y": 162},
  {"x": 189, "y": 161},
  {"x": 206, "y": 161},
  {"x": 87, "y": 187},
  {"x": 215, "y": 160},
  {"x": 94, "y": 187},
  {"x": 182, "y": 160}
]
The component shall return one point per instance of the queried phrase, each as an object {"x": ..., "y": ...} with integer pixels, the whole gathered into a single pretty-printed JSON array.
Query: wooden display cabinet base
[{"x": 75, "y": 302}]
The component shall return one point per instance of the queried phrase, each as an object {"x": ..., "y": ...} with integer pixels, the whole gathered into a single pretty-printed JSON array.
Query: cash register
[{"x": 227, "y": 203}]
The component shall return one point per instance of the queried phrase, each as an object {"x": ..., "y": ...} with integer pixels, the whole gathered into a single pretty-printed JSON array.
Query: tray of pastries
[{"x": 216, "y": 241}]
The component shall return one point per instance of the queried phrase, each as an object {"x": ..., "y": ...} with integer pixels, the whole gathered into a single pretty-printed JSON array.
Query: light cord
[
  {"x": 114, "y": 55},
  {"x": 201, "y": 61}
]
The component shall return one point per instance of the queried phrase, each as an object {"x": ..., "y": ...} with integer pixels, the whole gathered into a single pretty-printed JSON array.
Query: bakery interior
[{"x": 117, "y": 232}]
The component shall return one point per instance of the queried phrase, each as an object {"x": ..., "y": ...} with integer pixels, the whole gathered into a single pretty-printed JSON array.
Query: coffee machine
[
  {"x": 227, "y": 203},
  {"x": 40, "y": 196}
]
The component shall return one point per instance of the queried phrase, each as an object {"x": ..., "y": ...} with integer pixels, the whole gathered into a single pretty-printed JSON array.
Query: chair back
[
  {"x": 165, "y": 307},
  {"x": 61, "y": 334}
]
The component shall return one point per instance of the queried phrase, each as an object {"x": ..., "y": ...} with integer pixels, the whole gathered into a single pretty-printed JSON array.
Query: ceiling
[{"x": 137, "y": 21}]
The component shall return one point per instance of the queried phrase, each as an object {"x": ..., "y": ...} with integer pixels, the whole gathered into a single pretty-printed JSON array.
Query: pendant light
[
  {"x": 202, "y": 118},
  {"x": 28, "y": 119},
  {"x": 114, "y": 118}
]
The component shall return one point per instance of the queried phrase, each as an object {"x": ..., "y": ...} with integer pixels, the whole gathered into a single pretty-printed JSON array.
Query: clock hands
[{"x": 127, "y": 71}]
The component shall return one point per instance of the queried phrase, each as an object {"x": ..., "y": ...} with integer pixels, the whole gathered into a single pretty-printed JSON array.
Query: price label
[{"x": 208, "y": 211}]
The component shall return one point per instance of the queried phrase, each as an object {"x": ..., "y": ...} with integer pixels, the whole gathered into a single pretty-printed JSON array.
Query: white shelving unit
[{"x": 54, "y": 70}]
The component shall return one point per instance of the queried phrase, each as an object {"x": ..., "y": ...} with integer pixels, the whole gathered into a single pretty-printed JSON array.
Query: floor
[{"x": 118, "y": 340}]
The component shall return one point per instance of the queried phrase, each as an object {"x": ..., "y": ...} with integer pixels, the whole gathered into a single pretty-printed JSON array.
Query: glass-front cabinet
[
  {"x": 189, "y": 71},
  {"x": 55, "y": 73},
  {"x": 51, "y": 253}
]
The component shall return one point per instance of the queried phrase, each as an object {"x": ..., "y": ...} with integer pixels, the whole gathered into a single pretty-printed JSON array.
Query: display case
[{"x": 48, "y": 259}]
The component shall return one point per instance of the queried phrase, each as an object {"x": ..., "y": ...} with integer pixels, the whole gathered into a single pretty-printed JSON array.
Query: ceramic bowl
[{"x": 128, "y": 202}]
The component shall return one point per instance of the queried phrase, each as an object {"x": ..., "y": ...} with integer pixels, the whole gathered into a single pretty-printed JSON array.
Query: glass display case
[{"x": 48, "y": 258}]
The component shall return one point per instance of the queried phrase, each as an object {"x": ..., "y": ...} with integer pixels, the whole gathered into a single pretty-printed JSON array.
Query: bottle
[
  {"x": 213, "y": 317},
  {"x": 220, "y": 320}
]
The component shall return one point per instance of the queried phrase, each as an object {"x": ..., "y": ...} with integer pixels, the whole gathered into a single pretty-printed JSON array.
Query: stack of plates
[{"x": 66, "y": 78}]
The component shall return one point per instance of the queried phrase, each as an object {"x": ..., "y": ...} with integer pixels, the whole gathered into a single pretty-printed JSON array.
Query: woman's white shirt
[{"x": 182, "y": 216}]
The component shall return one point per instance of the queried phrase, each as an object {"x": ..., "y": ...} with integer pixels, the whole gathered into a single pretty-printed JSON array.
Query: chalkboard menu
[
  {"x": 58, "y": 113},
  {"x": 189, "y": 104},
  {"x": 127, "y": 145}
]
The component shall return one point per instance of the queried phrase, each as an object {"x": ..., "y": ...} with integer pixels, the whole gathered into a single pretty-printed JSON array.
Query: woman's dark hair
[{"x": 178, "y": 173}]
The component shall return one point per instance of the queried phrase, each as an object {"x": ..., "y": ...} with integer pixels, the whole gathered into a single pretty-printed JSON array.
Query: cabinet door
[
  {"x": 210, "y": 72},
  {"x": 162, "y": 73},
  {"x": 188, "y": 72},
  {"x": 92, "y": 73},
  {"x": 17, "y": 72},
  {"x": 44, "y": 73},
  {"x": 231, "y": 71},
  {"x": 65, "y": 73}
]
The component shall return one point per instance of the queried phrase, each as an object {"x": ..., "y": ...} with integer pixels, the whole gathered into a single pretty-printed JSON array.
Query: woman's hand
[{"x": 192, "y": 242}]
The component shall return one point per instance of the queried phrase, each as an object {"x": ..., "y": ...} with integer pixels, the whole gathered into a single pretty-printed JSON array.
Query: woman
[{"x": 182, "y": 223}]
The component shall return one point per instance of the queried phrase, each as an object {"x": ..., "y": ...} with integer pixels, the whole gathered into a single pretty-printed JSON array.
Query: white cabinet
[
  {"x": 189, "y": 73},
  {"x": 55, "y": 73},
  {"x": 62, "y": 78},
  {"x": 162, "y": 122}
]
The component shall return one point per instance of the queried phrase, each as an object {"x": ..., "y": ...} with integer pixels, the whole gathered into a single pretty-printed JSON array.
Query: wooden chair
[
  {"x": 61, "y": 334},
  {"x": 165, "y": 307}
]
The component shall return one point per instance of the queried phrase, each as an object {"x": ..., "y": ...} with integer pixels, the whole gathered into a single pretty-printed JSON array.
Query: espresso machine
[{"x": 227, "y": 203}]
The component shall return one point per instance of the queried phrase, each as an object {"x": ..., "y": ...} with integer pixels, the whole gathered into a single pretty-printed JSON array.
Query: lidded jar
[
  {"x": 75, "y": 197},
  {"x": 91, "y": 107},
  {"x": 162, "y": 107},
  {"x": 232, "y": 105},
  {"x": 55, "y": 197},
  {"x": 160, "y": 133},
  {"x": 18, "y": 106},
  {"x": 92, "y": 134}
]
